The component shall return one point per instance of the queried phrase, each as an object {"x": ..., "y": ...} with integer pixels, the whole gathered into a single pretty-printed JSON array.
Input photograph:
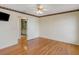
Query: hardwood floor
[{"x": 42, "y": 46}]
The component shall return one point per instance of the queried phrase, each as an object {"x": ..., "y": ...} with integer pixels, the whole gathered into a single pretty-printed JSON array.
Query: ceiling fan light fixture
[
  {"x": 39, "y": 12},
  {"x": 40, "y": 9}
]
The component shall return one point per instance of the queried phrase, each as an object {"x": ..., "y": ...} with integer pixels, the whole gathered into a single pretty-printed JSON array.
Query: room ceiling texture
[{"x": 49, "y": 8}]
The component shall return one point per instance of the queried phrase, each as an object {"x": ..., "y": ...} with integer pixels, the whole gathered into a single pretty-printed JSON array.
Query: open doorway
[
  {"x": 23, "y": 27},
  {"x": 23, "y": 39}
]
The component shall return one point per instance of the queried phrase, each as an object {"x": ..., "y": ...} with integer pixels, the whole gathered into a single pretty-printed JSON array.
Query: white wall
[
  {"x": 32, "y": 27},
  {"x": 10, "y": 30},
  {"x": 63, "y": 27}
]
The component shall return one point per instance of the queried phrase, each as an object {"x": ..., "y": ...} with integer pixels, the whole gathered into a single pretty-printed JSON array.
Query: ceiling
[{"x": 49, "y": 8}]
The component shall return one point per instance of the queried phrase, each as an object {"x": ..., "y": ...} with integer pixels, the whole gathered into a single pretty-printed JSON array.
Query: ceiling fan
[{"x": 40, "y": 9}]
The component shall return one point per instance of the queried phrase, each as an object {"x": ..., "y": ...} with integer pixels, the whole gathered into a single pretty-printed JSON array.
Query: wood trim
[
  {"x": 39, "y": 16},
  {"x": 76, "y": 10},
  {"x": 17, "y": 11}
]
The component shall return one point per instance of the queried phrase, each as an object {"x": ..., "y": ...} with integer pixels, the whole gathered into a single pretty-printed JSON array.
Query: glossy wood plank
[{"x": 43, "y": 46}]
